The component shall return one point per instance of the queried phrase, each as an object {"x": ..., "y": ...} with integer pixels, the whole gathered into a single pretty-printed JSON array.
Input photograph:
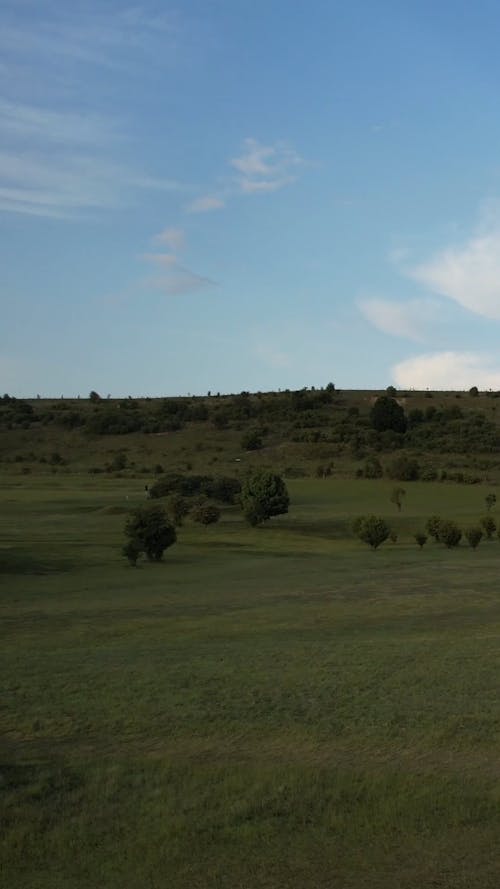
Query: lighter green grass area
[{"x": 270, "y": 707}]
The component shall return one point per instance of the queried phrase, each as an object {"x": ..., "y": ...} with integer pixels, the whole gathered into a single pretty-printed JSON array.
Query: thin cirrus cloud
[
  {"x": 265, "y": 168},
  {"x": 205, "y": 204},
  {"x": 61, "y": 152},
  {"x": 410, "y": 319},
  {"x": 173, "y": 278},
  {"x": 448, "y": 371}
]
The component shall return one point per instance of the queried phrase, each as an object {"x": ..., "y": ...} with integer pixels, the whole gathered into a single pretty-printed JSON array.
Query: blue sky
[{"x": 228, "y": 195}]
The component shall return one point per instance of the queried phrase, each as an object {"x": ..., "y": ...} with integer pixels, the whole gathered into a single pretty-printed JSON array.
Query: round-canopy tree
[
  {"x": 262, "y": 496},
  {"x": 151, "y": 530},
  {"x": 386, "y": 413},
  {"x": 371, "y": 529}
]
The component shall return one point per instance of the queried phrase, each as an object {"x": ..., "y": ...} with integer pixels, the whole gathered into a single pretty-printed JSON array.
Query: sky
[{"x": 228, "y": 195}]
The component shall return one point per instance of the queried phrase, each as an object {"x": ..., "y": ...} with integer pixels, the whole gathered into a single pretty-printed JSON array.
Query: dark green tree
[
  {"x": 387, "y": 414},
  {"x": 488, "y": 525},
  {"x": 421, "y": 539},
  {"x": 151, "y": 530},
  {"x": 449, "y": 533},
  {"x": 177, "y": 508},
  {"x": 474, "y": 537},
  {"x": 262, "y": 496},
  {"x": 433, "y": 525},
  {"x": 132, "y": 550},
  {"x": 372, "y": 530},
  {"x": 490, "y": 500}
]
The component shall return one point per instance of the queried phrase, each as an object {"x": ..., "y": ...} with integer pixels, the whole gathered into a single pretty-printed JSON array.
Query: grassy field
[{"x": 272, "y": 707}]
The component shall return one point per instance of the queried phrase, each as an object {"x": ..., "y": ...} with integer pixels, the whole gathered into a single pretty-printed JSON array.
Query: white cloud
[
  {"x": 468, "y": 274},
  {"x": 173, "y": 238},
  {"x": 408, "y": 319},
  {"x": 265, "y": 168},
  {"x": 205, "y": 204},
  {"x": 448, "y": 370},
  {"x": 50, "y": 126}
]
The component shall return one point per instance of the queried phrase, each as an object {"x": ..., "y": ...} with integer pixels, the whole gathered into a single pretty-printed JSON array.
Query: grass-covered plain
[{"x": 270, "y": 707}]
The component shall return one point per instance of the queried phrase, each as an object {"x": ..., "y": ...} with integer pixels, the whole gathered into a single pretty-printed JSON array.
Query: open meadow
[{"x": 271, "y": 707}]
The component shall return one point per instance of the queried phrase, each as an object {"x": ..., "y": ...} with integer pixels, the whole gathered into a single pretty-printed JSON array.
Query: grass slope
[{"x": 272, "y": 707}]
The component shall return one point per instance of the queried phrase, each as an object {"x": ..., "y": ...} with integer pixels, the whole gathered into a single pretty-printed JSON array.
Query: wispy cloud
[
  {"x": 265, "y": 168},
  {"x": 468, "y": 274},
  {"x": 173, "y": 238},
  {"x": 205, "y": 204},
  {"x": 448, "y": 370},
  {"x": 174, "y": 278},
  {"x": 64, "y": 155},
  {"x": 410, "y": 319}
]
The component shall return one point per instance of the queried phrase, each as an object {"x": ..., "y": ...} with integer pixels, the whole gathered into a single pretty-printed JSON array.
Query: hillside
[{"x": 450, "y": 435}]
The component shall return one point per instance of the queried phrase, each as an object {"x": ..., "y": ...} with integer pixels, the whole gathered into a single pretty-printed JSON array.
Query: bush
[
  {"x": 177, "y": 509},
  {"x": 373, "y": 468},
  {"x": 432, "y": 525},
  {"x": 404, "y": 469},
  {"x": 449, "y": 533},
  {"x": 387, "y": 414},
  {"x": 150, "y": 529},
  {"x": 132, "y": 550},
  {"x": 205, "y": 514},
  {"x": 488, "y": 525},
  {"x": 262, "y": 496},
  {"x": 251, "y": 440},
  {"x": 421, "y": 539},
  {"x": 474, "y": 537},
  {"x": 372, "y": 530}
]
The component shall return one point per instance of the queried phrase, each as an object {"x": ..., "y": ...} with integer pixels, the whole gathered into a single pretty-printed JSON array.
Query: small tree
[
  {"x": 94, "y": 396},
  {"x": 421, "y": 539},
  {"x": 488, "y": 525},
  {"x": 490, "y": 501},
  {"x": 474, "y": 537},
  {"x": 397, "y": 497},
  {"x": 372, "y": 530},
  {"x": 177, "y": 509},
  {"x": 386, "y": 413},
  {"x": 150, "y": 529},
  {"x": 252, "y": 440},
  {"x": 205, "y": 514},
  {"x": 373, "y": 468},
  {"x": 432, "y": 525},
  {"x": 449, "y": 534},
  {"x": 132, "y": 551},
  {"x": 262, "y": 496}
]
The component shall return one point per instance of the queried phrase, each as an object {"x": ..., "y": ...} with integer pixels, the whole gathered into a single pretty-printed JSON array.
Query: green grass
[{"x": 271, "y": 707}]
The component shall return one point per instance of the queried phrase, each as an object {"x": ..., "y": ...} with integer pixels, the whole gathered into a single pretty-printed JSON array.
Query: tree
[
  {"x": 474, "y": 537},
  {"x": 474, "y": 391},
  {"x": 94, "y": 396},
  {"x": 404, "y": 469},
  {"x": 490, "y": 500},
  {"x": 262, "y": 496},
  {"x": 151, "y": 530},
  {"x": 488, "y": 525},
  {"x": 372, "y": 530},
  {"x": 392, "y": 391},
  {"x": 432, "y": 526},
  {"x": 177, "y": 509},
  {"x": 205, "y": 513},
  {"x": 132, "y": 550},
  {"x": 387, "y": 414},
  {"x": 449, "y": 533},
  {"x": 421, "y": 539},
  {"x": 397, "y": 497}
]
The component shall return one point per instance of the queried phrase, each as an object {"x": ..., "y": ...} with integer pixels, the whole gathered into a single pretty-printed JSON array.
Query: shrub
[
  {"x": 251, "y": 440},
  {"x": 404, "y": 469},
  {"x": 372, "y": 530},
  {"x": 151, "y": 530},
  {"x": 449, "y": 533},
  {"x": 490, "y": 500},
  {"x": 488, "y": 525},
  {"x": 421, "y": 539},
  {"x": 262, "y": 496},
  {"x": 205, "y": 514},
  {"x": 373, "y": 468},
  {"x": 432, "y": 526},
  {"x": 177, "y": 509},
  {"x": 474, "y": 537},
  {"x": 132, "y": 550},
  {"x": 387, "y": 414}
]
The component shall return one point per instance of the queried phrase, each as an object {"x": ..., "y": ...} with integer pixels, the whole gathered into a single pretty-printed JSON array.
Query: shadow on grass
[{"x": 19, "y": 561}]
